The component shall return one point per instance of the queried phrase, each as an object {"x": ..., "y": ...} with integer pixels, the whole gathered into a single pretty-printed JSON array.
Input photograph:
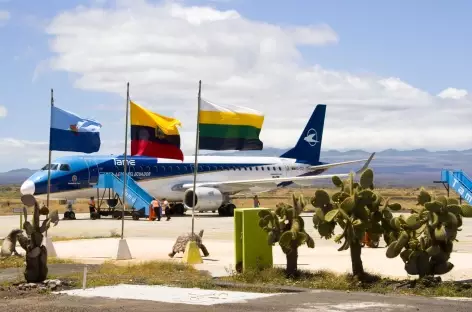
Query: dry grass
[
  {"x": 345, "y": 282},
  {"x": 10, "y": 197},
  {"x": 19, "y": 262},
  {"x": 146, "y": 273},
  {"x": 182, "y": 275},
  {"x": 404, "y": 196}
]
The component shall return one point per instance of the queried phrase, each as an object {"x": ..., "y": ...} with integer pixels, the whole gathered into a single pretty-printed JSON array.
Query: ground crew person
[
  {"x": 92, "y": 206},
  {"x": 165, "y": 204},
  {"x": 256, "y": 201},
  {"x": 156, "y": 206},
  {"x": 152, "y": 213}
]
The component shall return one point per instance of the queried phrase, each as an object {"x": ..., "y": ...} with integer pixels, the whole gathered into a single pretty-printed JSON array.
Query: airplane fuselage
[{"x": 73, "y": 177}]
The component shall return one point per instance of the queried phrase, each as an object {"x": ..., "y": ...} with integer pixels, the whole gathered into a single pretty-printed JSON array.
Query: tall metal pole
[
  {"x": 125, "y": 165},
  {"x": 49, "y": 158},
  {"x": 197, "y": 139}
]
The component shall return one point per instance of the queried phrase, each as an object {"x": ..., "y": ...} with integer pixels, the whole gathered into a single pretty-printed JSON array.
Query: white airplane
[{"x": 218, "y": 177}]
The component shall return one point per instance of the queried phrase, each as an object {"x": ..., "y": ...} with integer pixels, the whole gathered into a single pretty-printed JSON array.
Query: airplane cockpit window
[
  {"x": 64, "y": 167},
  {"x": 53, "y": 167}
]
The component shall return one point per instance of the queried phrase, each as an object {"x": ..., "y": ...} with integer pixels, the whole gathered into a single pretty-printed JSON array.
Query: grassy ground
[
  {"x": 345, "y": 282},
  {"x": 10, "y": 198},
  {"x": 182, "y": 275},
  {"x": 19, "y": 262}
]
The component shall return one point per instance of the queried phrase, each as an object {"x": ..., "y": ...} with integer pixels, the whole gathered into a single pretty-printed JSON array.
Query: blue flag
[{"x": 72, "y": 133}]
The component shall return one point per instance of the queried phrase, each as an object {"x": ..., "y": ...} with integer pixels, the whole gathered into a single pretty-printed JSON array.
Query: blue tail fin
[{"x": 308, "y": 147}]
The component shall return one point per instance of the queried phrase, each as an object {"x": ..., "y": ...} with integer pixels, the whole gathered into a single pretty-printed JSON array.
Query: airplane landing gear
[
  {"x": 178, "y": 209},
  {"x": 226, "y": 210}
]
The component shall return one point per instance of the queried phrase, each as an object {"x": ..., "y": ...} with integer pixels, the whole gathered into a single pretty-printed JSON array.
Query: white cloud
[
  {"x": 3, "y": 111},
  {"x": 164, "y": 49},
  {"x": 4, "y": 17},
  {"x": 453, "y": 93}
]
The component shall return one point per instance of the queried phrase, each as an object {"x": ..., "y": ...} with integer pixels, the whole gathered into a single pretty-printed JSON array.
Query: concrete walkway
[{"x": 221, "y": 260}]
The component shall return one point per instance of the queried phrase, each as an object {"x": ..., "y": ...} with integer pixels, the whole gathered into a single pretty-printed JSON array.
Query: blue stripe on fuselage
[{"x": 85, "y": 169}]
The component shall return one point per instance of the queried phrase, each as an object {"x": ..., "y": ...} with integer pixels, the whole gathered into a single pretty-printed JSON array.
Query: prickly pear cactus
[
  {"x": 358, "y": 209},
  {"x": 36, "y": 254},
  {"x": 285, "y": 226},
  {"x": 424, "y": 240}
]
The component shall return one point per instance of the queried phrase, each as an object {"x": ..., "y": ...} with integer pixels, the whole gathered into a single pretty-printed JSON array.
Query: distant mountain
[
  {"x": 16, "y": 176},
  {"x": 392, "y": 167}
]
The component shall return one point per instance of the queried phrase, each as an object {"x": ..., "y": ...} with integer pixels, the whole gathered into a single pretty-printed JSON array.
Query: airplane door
[
  {"x": 93, "y": 170},
  {"x": 285, "y": 169}
]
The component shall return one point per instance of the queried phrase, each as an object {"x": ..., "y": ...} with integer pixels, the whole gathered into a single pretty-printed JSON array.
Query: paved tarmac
[
  {"x": 314, "y": 301},
  {"x": 152, "y": 240}
]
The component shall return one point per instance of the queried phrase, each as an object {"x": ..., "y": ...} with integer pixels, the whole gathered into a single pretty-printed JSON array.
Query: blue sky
[{"x": 425, "y": 44}]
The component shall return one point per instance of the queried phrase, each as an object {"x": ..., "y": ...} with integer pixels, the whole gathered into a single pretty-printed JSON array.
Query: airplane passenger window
[
  {"x": 163, "y": 169},
  {"x": 274, "y": 168},
  {"x": 64, "y": 167},
  {"x": 221, "y": 168},
  {"x": 268, "y": 168},
  {"x": 155, "y": 169},
  {"x": 170, "y": 169},
  {"x": 262, "y": 168},
  {"x": 148, "y": 168},
  {"x": 257, "y": 168},
  {"x": 280, "y": 168}
]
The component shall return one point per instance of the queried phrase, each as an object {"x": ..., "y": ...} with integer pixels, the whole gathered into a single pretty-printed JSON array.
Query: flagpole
[
  {"x": 49, "y": 158},
  {"x": 125, "y": 165},
  {"x": 197, "y": 136}
]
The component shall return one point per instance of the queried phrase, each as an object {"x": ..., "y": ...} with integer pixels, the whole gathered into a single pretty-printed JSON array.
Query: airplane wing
[
  {"x": 239, "y": 185},
  {"x": 331, "y": 165},
  {"x": 232, "y": 186}
]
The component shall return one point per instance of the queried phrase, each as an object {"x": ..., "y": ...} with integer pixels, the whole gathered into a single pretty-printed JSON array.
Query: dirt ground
[{"x": 404, "y": 196}]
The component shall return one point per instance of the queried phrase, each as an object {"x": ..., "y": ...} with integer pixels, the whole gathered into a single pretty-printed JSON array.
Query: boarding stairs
[
  {"x": 136, "y": 197},
  {"x": 459, "y": 182}
]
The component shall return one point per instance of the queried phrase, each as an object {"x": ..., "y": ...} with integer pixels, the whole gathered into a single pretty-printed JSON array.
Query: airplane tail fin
[{"x": 308, "y": 147}]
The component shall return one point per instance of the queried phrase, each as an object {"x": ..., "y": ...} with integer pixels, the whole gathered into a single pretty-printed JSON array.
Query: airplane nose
[{"x": 27, "y": 188}]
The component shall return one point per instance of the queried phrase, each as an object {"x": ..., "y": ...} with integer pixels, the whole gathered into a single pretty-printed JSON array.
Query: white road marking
[{"x": 194, "y": 296}]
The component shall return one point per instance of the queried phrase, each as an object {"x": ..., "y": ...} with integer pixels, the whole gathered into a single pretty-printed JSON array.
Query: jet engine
[{"x": 206, "y": 198}]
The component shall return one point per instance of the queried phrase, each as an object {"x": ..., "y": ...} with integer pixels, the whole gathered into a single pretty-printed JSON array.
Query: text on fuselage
[{"x": 121, "y": 162}]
